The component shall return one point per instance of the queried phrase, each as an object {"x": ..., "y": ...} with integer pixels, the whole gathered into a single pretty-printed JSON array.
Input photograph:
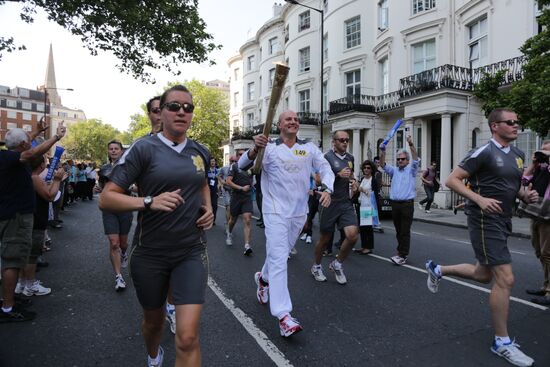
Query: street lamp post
[
  {"x": 322, "y": 13},
  {"x": 46, "y": 101}
]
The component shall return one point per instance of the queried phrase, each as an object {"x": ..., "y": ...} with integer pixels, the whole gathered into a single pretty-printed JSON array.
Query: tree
[
  {"x": 142, "y": 34},
  {"x": 530, "y": 96},
  {"x": 87, "y": 140},
  {"x": 139, "y": 125}
]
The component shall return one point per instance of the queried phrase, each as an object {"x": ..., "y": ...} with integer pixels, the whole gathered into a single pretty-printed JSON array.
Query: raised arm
[
  {"x": 414, "y": 153},
  {"x": 45, "y": 146}
]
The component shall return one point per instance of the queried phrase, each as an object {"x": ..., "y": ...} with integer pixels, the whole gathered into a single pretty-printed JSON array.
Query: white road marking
[
  {"x": 263, "y": 341},
  {"x": 473, "y": 286},
  {"x": 518, "y": 252}
]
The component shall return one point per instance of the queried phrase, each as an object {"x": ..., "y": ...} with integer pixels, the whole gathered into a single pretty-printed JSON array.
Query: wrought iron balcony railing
[
  {"x": 444, "y": 76},
  {"x": 308, "y": 118}
]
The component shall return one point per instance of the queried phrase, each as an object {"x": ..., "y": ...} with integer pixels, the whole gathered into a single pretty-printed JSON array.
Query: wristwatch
[
  {"x": 328, "y": 190},
  {"x": 147, "y": 201}
]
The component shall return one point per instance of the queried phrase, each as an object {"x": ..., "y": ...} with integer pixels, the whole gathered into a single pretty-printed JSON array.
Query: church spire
[{"x": 50, "y": 83}]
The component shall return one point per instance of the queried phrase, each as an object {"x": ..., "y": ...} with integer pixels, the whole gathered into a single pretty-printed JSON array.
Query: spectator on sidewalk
[
  {"x": 538, "y": 176},
  {"x": 213, "y": 172},
  {"x": 366, "y": 208},
  {"x": 402, "y": 194},
  {"x": 428, "y": 178},
  {"x": 91, "y": 177},
  {"x": 495, "y": 171},
  {"x": 17, "y": 205}
]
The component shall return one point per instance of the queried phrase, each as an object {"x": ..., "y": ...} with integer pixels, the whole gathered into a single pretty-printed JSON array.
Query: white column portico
[
  {"x": 446, "y": 151},
  {"x": 357, "y": 151},
  {"x": 463, "y": 146},
  {"x": 425, "y": 149},
  {"x": 409, "y": 130}
]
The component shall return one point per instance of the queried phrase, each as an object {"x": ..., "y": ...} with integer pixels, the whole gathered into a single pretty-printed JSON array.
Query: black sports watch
[{"x": 147, "y": 201}]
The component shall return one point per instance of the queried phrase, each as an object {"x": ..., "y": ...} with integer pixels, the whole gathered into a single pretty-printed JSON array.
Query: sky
[{"x": 100, "y": 89}]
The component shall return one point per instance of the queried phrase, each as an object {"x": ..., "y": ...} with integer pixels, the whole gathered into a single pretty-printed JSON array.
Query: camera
[{"x": 541, "y": 157}]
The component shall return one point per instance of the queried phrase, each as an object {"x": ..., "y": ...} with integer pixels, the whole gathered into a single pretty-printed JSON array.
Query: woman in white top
[{"x": 366, "y": 209}]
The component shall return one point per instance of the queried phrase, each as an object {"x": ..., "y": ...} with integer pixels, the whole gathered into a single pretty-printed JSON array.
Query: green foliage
[
  {"x": 529, "y": 97},
  {"x": 143, "y": 35},
  {"x": 139, "y": 125},
  {"x": 87, "y": 140}
]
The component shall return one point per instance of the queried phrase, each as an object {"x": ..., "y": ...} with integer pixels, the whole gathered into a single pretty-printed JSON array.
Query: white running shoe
[
  {"x": 228, "y": 240},
  {"x": 151, "y": 362},
  {"x": 398, "y": 260},
  {"x": 247, "y": 250},
  {"x": 303, "y": 237},
  {"x": 36, "y": 289},
  {"x": 19, "y": 288},
  {"x": 293, "y": 251},
  {"x": 171, "y": 318},
  {"x": 433, "y": 278},
  {"x": 317, "y": 272},
  {"x": 308, "y": 239},
  {"x": 262, "y": 291},
  {"x": 123, "y": 259},
  {"x": 420, "y": 206},
  {"x": 289, "y": 326},
  {"x": 336, "y": 267},
  {"x": 120, "y": 284},
  {"x": 512, "y": 354}
]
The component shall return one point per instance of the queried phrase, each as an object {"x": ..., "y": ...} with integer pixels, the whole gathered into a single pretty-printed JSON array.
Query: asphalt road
[{"x": 384, "y": 316}]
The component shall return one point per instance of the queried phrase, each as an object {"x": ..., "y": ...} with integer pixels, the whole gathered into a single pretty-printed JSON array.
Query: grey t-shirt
[
  {"x": 241, "y": 178},
  {"x": 157, "y": 168},
  {"x": 223, "y": 173},
  {"x": 494, "y": 174},
  {"x": 341, "y": 185}
]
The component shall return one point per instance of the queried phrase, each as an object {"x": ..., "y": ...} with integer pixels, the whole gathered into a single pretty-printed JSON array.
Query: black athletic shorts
[
  {"x": 117, "y": 223},
  {"x": 339, "y": 213},
  {"x": 153, "y": 270},
  {"x": 488, "y": 234},
  {"x": 240, "y": 204}
]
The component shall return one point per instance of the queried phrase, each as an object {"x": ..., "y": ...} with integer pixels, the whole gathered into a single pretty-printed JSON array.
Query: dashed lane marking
[
  {"x": 473, "y": 286},
  {"x": 263, "y": 341}
]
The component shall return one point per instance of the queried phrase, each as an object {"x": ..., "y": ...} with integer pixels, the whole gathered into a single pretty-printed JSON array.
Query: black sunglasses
[
  {"x": 401, "y": 159},
  {"x": 343, "y": 140},
  {"x": 155, "y": 110},
  {"x": 510, "y": 122},
  {"x": 176, "y": 106}
]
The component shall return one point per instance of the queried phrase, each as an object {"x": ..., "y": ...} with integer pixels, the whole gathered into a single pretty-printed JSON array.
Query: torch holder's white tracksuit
[{"x": 285, "y": 185}]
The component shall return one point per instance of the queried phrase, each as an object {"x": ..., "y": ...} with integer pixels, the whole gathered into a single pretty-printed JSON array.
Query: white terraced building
[{"x": 383, "y": 60}]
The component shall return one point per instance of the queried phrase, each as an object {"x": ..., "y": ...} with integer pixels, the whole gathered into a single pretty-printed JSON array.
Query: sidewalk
[{"x": 521, "y": 227}]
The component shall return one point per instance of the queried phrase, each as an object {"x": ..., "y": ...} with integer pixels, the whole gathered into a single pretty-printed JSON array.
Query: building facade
[
  {"x": 20, "y": 108},
  {"x": 384, "y": 60}
]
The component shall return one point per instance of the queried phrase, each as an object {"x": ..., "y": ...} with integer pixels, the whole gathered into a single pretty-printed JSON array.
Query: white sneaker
[
  {"x": 308, "y": 239},
  {"x": 294, "y": 251},
  {"x": 262, "y": 291},
  {"x": 289, "y": 326},
  {"x": 420, "y": 206},
  {"x": 433, "y": 278},
  {"x": 36, "y": 289},
  {"x": 171, "y": 318},
  {"x": 428, "y": 212},
  {"x": 19, "y": 288},
  {"x": 152, "y": 363},
  {"x": 303, "y": 237},
  {"x": 228, "y": 240},
  {"x": 398, "y": 260},
  {"x": 123, "y": 259},
  {"x": 336, "y": 267},
  {"x": 317, "y": 272},
  {"x": 512, "y": 354},
  {"x": 120, "y": 284}
]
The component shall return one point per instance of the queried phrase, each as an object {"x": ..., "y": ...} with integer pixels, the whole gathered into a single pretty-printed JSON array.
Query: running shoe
[
  {"x": 433, "y": 277},
  {"x": 262, "y": 292},
  {"x": 512, "y": 354},
  {"x": 228, "y": 239},
  {"x": 317, "y": 272},
  {"x": 303, "y": 237},
  {"x": 336, "y": 267},
  {"x": 308, "y": 239},
  {"x": 289, "y": 326},
  {"x": 19, "y": 288},
  {"x": 120, "y": 284},
  {"x": 247, "y": 250},
  {"x": 156, "y": 362},
  {"x": 420, "y": 206},
  {"x": 123, "y": 259},
  {"x": 16, "y": 315},
  {"x": 36, "y": 289},
  {"x": 293, "y": 251},
  {"x": 398, "y": 260},
  {"x": 171, "y": 318}
]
